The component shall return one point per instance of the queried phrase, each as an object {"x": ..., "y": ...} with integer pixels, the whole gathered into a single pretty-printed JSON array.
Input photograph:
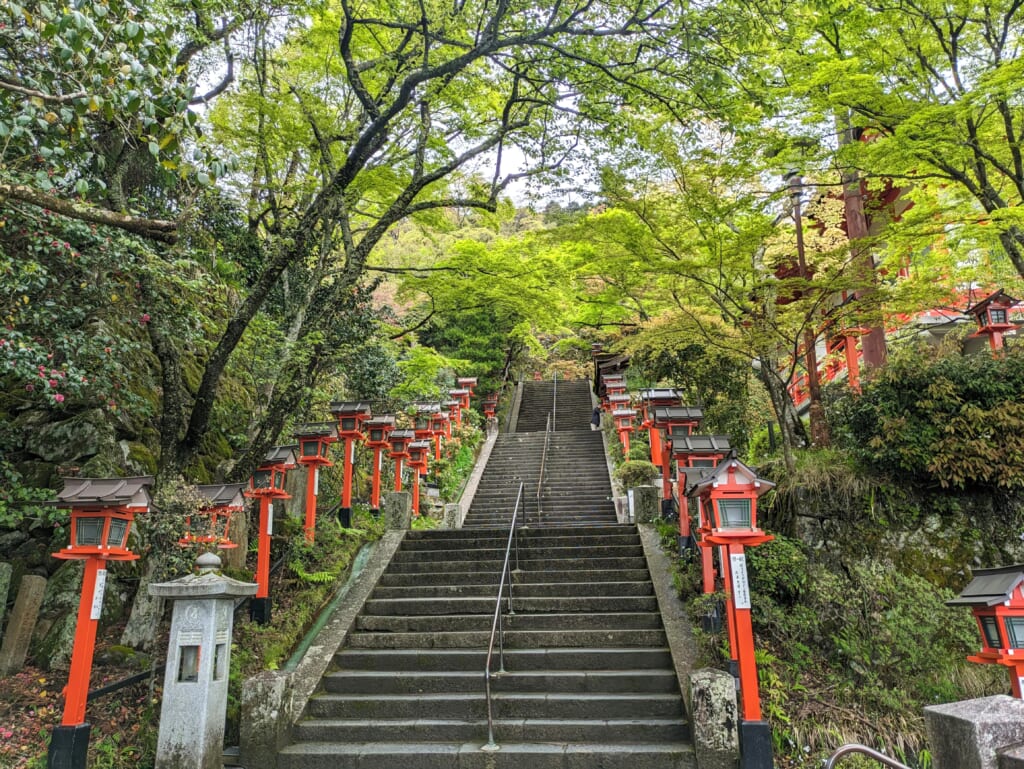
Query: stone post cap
[{"x": 206, "y": 584}]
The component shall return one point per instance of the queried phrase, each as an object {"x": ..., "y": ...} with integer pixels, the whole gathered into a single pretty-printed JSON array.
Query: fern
[{"x": 315, "y": 577}]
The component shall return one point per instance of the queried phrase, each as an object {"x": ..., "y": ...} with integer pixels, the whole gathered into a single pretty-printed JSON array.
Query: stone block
[
  {"x": 21, "y": 624},
  {"x": 645, "y": 503},
  {"x": 452, "y": 513},
  {"x": 714, "y": 719},
  {"x": 1012, "y": 758},
  {"x": 398, "y": 510},
  {"x": 971, "y": 733},
  {"x": 5, "y": 586}
]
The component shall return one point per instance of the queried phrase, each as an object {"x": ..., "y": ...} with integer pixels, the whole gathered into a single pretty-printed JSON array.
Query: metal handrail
[
  {"x": 554, "y": 400},
  {"x": 497, "y": 629},
  {"x": 853, "y": 747},
  {"x": 543, "y": 464}
]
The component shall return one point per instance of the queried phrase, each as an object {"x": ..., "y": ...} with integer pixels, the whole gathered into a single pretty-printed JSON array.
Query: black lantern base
[
  {"x": 259, "y": 610},
  {"x": 687, "y": 545},
  {"x": 712, "y": 621},
  {"x": 668, "y": 509},
  {"x": 756, "y": 745},
  {"x": 345, "y": 517},
  {"x": 375, "y": 512},
  {"x": 734, "y": 669},
  {"x": 69, "y": 747}
]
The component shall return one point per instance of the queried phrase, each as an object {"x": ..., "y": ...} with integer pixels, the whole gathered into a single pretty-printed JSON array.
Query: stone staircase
[
  {"x": 589, "y": 679},
  {"x": 575, "y": 491}
]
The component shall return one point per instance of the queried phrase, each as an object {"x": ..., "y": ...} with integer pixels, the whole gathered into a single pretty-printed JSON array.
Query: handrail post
[{"x": 554, "y": 400}]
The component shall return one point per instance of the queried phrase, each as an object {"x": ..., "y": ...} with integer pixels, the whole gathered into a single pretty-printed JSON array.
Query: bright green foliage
[
  {"x": 941, "y": 418},
  {"x": 636, "y": 473}
]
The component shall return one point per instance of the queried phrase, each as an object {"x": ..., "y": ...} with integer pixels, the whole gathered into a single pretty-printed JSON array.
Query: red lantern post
[
  {"x": 315, "y": 442},
  {"x": 377, "y": 431},
  {"x": 697, "y": 453},
  {"x": 399, "y": 441},
  {"x": 649, "y": 401},
  {"x": 666, "y": 419},
  {"x": 614, "y": 385},
  {"x": 730, "y": 493},
  {"x": 993, "y": 317},
  {"x": 996, "y": 596},
  {"x": 350, "y": 415},
  {"x": 102, "y": 511},
  {"x": 266, "y": 485},
  {"x": 460, "y": 394},
  {"x": 490, "y": 405},
  {"x": 624, "y": 426},
  {"x": 454, "y": 409},
  {"x": 418, "y": 453},
  {"x": 440, "y": 425},
  {"x": 467, "y": 383},
  {"x": 222, "y": 501}
]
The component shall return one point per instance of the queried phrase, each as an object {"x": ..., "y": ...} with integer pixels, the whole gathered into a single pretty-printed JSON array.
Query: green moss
[{"x": 140, "y": 455}]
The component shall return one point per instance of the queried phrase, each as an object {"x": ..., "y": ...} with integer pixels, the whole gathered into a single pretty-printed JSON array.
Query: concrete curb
[
  {"x": 272, "y": 701},
  {"x": 678, "y": 629},
  {"x": 474, "y": 478}
]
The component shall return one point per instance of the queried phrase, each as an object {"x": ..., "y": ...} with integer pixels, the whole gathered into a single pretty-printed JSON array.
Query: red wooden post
[
  {"x": 377, "y": 431},
  {"x": 350, "y": 415},
  {"x": 266, "y": 485},
  {"x": 418, "y": 452},
  {"x": 399, "y": 441},
  {"x": 730, "y": 493},
  {"x": 697, "y": 454},
  {"x": 315, "y": 441},
  {"x": 102, "y": 511}
]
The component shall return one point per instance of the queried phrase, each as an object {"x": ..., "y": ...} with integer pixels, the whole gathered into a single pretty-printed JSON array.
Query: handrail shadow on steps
[
  {"x": 853, "y": 747},
  {"x": 497, "y": 628}
]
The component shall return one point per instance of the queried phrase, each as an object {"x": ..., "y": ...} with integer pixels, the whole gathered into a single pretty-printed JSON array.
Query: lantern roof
[
  {"x": 990, "y": 587},
  {"x": 999, "y": 298},
  {"x": 317, "y": 430},
  {"x": 624, "y": 413},
  {"x": 620, "y": 398},
  {"x": 222, "y": 494},
  {"x": 467, "y": 380},
  {"x": 675, "y": 414},
  {"x": 661, "y": 395},
  {"x": 685, "y": 443},
  {"x": 458, "y": 391},
  {"x": 384, "y": 420},
  {"x": 720, "y": 475},
  {"x": 105, "y": 492},
  {"x": 350, "y": 407},
  {"x": 428, "y": 408},
  {"x": 452, "y": 404},
  {"x": 402, "y": 434},
  {"x": 420, "y": 446},
  {"x": 610, "y": 378},
  {"x": 281, "y": 455}
]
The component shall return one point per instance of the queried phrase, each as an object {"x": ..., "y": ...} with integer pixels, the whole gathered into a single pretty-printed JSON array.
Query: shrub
[{"x": 636, "y": 473}]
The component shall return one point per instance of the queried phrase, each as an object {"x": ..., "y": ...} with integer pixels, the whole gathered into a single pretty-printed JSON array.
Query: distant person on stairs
[{"x": 595, "y": 419}]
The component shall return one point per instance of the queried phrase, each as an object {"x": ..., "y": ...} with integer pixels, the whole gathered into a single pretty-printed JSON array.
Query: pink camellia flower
[
  {"x": 58, "y": 397},
  {"x": 53, "y": 383},
  {"x": 145, "y": 318},
  {"x": 30, "y": 387}
]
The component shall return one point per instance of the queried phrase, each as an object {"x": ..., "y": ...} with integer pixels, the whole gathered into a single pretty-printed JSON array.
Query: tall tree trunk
[
  {"x": 791, "y": 427},
  {"x": 873, "y": 342}
]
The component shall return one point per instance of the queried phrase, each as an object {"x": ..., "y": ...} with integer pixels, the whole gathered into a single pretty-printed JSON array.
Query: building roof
[
  {"x": 990, "y": 587},
  {"x": 105, "y": 492}
]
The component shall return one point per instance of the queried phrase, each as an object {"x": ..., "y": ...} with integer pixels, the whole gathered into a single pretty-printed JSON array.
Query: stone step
[
  {"x": 485, "y": 605},
  {"x": 472, "y": 706},
  {"x": 512, "y": 755},
  {"x": 521, "y": 639},
  {"x": 520, "y": 621},
  {"x": 518, "y": 578},
  {"x": 546, "y": 533},
  {"x": 521, "y": 729},
  {"x": 578, "y": 659},
  {"x": 527, "y": 590},
  {"x": 525, "y": 539},
  {"x": 535, "y": 552},
  {"x": 388, "y": 682},
  {"x": 525, "y": 564}
]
